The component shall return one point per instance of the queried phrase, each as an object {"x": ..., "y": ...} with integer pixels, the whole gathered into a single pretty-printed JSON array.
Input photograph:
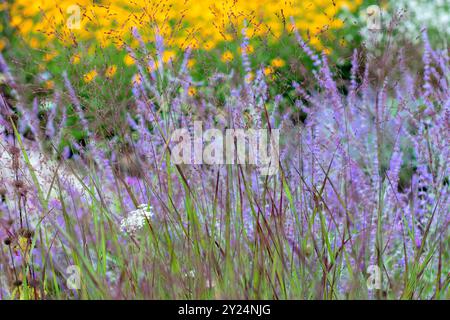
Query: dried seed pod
[
  {"x": 7, "y": 241},
  {"x": 18, "y": 184},
  {"x": 14, "y": 117},
  {"x": 26, "y": 233},
  {"x": 15, "y": 163},
  {"x": 23, "y": 191},
  {"x": 14, "y": 150},
  {"x": 17, "y": 283}
]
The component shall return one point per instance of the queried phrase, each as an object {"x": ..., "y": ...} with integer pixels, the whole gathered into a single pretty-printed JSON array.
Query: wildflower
[
  {"x": 136, "y": 219},
  {"x": 49, "y": 84},
  {"x": 191, "y": 63},
  {"x": 50, "y": 56},
  {"x": 192, "y": 45},
  {"x": 23, "y": 244},
  {"x": 168, "y": 56},
  {"x": 268, "y": 71},
  {"x": 248, "y": 49},
  {"x": 75, "y": 58},
  {"x": 327, "y": 51},
  {"x": 190, "y": 274},
  {"x": 227, "y": 56},
  {"x": 88, "y": 77},
  {"x": 111, "y": 71},
  {"x": 116, "y": 19},
  {"x": 209, "y": 45},
  {"x": 55, "y": 204},
  {"x": 129, "y": 60},
  {"x": 192, "y": 91},
  {"x": 136, "y": 79},
  {"x": 278, "y": 63},
  {"x": 34, "y": 43},
  {"x": 2, "y": 44}
]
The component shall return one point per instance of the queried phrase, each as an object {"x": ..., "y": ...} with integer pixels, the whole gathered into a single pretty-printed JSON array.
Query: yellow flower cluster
[{"x": 182, "y": 23}]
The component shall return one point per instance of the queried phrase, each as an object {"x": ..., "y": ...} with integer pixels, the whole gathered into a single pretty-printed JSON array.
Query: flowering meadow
[
  {"x": 223, "y": 150},
  {"x": 185, "y": 24}
]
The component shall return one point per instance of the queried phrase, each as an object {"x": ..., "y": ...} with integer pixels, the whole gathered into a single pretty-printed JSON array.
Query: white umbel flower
[
  {"x": 190, "y": 274},
  {"x": 136, "y": 219}
]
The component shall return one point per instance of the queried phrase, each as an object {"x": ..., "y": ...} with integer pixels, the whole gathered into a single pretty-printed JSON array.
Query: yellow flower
[
  {"x": 111, "y": 71},
  {"x": 327, "y": 51},
  {"x": 88, "y": 77},
  {"x": 49, "y": 84},
  {"x": 134, "y": 44},
  {"x": 23, "y": 244},
  {"x": 193, "y": 45},
  {"x": 249, "y": 32},
  {"x": 136, "y": 79},
  {"x": 209, "y": 45},
  {"x": 168, "y": 56},
  {"x": 227, "y": 56},
  {"x": 278, "y": 63},
  {"x": 16, "y": 20},
  {"x": 192, "y": 91},
  {"x": 205, "y": 23},
  {"x": 2, "y": 44},
  {"x": 34, "y": 43},
  {"x": 248, "y": 49},
  {"x": 315, "y": 42},
  {"x": 268, "y": 71},
  {"x": 118, "y": 43},
  {"x": 50, "y": 56},
  {"x": 129, "y": 60},
  {"x": 191, "y": 63},
  {"x": 75, "y": 58}
]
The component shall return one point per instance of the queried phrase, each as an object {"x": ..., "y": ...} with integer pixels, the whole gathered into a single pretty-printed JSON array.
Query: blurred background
[{"x": 93, "y": 41}]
